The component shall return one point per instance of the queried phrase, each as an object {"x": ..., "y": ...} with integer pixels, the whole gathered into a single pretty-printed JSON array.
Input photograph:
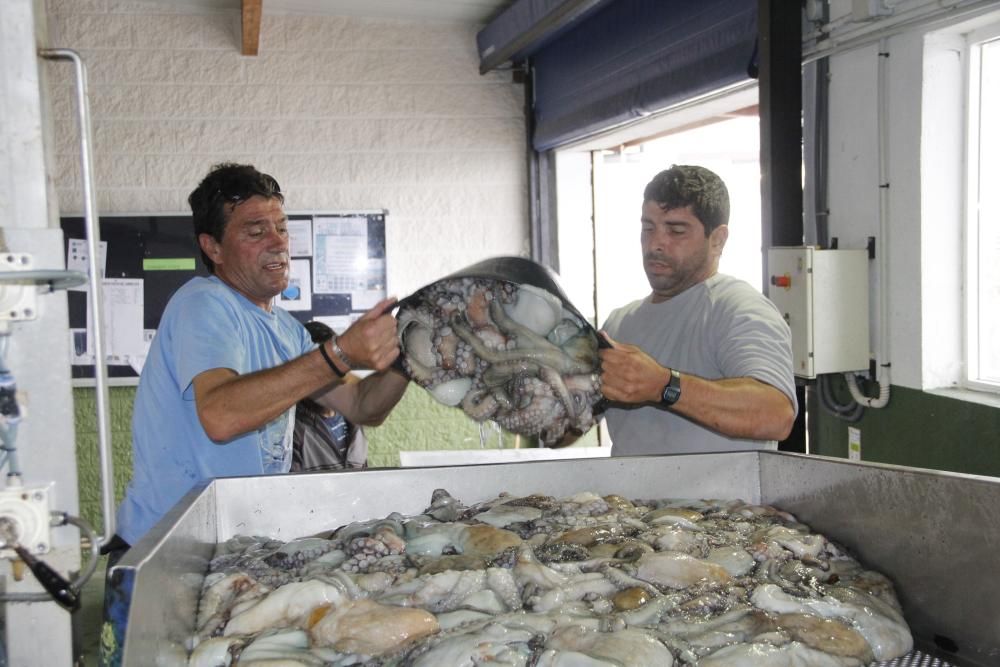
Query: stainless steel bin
[{"x": 935, "y": 534}]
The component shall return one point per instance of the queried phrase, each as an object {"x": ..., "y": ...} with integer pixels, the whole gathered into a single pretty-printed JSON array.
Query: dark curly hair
[
  {"x": 319, "y": 332},
  {"x": 689, "y": 185},
  {"x": 225, "y": 187}
]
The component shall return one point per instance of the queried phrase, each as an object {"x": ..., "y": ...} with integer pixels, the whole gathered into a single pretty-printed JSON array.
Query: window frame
[{"x": 974, "y": 39}]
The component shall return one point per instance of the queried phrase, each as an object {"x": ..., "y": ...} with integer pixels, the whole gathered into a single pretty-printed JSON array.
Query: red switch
[{"x": 782, "y": 281}]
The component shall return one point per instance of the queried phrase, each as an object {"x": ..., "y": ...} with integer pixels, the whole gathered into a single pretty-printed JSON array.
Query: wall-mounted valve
[
  {"x": 24, "y": 511},
  {"x": 24, "y": 532},
  {"x": 54, "y": 584}
]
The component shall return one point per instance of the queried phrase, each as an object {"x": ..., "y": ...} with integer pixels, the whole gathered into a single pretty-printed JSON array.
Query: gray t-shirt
[{"x": 720, "y": 328}]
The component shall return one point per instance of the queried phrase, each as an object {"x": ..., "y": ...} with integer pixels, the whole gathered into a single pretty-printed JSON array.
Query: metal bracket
[{"x": 17, "y": 299}]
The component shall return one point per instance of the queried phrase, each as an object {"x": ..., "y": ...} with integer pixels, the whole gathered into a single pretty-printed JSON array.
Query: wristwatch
[{"x": 672, "y": 392}]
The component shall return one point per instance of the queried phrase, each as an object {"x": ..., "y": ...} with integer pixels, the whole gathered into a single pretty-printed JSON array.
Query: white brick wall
[{"x": 346, "y": 112}]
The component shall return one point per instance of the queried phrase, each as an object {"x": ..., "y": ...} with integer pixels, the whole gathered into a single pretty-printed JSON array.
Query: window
[
  {"x": 983, "y": 211},
  {"x": 727, "y": 144}
]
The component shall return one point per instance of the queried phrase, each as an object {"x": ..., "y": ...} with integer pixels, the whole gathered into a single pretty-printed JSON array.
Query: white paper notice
[
  {"x": 853, "y": 443},
  {"x": 123, "y": 332},
  {"x": 341, "y": 264},
  {"x": 77, "y": 259},
  {"x": 300, "y": 241},
  {"x": 298, "y": 294},
  {"x": 340, "y": 245}
]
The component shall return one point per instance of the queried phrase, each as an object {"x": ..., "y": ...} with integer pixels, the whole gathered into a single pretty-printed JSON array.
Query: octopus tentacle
[
  {"x": 446, "y": 344},
  {"x": 552, "y": 356},
  {"x": 539, "y": 416},
  {"x": 500, "y": 373},
  {"x": 422, "y": 374},
  {"x": 513, "y": 327},
  {"x": 555, "y": 381},
  {"x": 502, "y": 398},
  {"x": 581, "y": 346},
  {"x": 480, "y": 405}
]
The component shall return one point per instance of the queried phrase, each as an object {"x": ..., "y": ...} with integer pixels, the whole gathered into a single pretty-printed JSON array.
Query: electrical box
[{"x": 823, "y": 295}]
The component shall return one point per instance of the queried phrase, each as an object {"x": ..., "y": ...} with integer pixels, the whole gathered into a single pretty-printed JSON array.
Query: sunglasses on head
[{"x": 237, "y": 192}]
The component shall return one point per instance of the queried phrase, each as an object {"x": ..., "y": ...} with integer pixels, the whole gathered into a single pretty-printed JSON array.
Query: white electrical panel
[{"x": 823, "y": 295}]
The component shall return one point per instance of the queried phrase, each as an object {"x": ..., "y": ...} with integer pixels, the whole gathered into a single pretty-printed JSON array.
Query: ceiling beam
[{"x": 251, "y": 26}]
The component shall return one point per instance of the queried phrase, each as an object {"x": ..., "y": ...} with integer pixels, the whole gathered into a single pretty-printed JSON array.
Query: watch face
[{"x": 672, "y": 392}]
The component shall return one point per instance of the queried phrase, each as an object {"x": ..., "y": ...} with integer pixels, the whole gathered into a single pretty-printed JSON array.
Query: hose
[
  {"x": 851, "y": 412},
  {"x": 883, "y": 390}
]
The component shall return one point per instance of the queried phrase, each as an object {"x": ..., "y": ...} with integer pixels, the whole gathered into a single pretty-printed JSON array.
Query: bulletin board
[{"x": 337, "y": 272}]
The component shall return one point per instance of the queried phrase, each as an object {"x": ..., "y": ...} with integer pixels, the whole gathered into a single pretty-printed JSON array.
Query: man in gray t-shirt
[{"x": 704, "y": 363}]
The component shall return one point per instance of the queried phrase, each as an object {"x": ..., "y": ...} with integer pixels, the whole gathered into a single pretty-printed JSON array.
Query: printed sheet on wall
[{"x": 337, "y": 267}]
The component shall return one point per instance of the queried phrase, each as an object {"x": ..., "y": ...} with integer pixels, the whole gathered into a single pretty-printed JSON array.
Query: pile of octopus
[{"x": 580, "y": 581}]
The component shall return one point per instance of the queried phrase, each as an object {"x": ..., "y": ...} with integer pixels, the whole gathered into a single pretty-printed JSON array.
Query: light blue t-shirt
[
  {"x": 206, "y": 325},
  {"x": 720, "y": 328}
]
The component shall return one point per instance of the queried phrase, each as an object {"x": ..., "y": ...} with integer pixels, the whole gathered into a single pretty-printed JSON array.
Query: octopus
[
  {"x": 513, "y": 354},
  {"x": 541, "y": 581}
]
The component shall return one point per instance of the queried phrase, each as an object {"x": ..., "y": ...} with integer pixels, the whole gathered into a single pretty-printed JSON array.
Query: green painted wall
[
  {"x": 417, "y": 423},
  {"x": 87, "y": 460},
  {"x": 915, "y": 429}
]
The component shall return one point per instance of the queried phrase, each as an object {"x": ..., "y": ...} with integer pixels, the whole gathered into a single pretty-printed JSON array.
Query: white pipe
[
  {"x": 861, "y": 399},
  {"x": 882, "y": 248},
  {"x": 96, "y": 288}
]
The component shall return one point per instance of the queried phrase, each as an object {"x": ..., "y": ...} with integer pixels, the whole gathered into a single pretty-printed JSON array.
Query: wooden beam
[{"x": 251, "y": 26}]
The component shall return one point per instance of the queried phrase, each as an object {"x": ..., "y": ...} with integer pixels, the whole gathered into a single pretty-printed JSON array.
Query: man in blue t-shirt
[{"x": 217, "y": 394}]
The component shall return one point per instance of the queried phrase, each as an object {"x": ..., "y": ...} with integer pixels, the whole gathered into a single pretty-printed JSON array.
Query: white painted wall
[
  {"x": 854, "y": 196},
  {"x": 924, "y": 159},
  {"x": 346, "y": 112}
]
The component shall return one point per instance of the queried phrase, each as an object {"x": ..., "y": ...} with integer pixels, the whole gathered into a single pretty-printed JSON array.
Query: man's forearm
[
  {"x": 230, "y": 404},
  {"x": 369, "y": 401},
  {"x": 736, "y": 407}
]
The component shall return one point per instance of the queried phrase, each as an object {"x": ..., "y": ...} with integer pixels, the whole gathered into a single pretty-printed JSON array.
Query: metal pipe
[
  {"x": 91, "y": 225},
  {"x": 884, "y": 361},
  {"x": 918, "y": 17}
]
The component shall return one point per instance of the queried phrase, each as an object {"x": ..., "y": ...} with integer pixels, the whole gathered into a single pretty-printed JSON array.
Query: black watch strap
[{"x": 672, "y": 392}]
